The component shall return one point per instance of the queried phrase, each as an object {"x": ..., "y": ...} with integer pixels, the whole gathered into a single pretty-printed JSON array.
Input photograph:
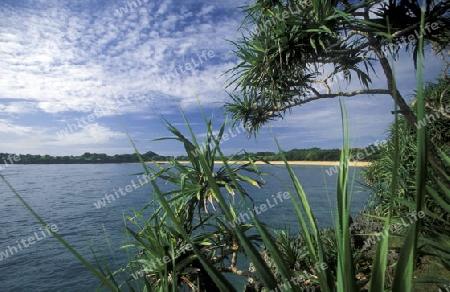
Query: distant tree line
[
  {"x": 86, "y": 158},
  {"x": 311, "y": 154}
]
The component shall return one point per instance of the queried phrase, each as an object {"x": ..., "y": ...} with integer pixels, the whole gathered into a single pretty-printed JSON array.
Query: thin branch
[
  {"x": 353, "y": 93},
  {"x": 392, "y": 88},
  {"x": 238, "y": 272},
  {"x": 324, "y": 84},
  {"x": 326, "y": 95},
  {"x": 223, "y": 255},
  {"x": 317, "y": 93},
  {"x": 332, "y": 95},
  {"x": 325, "y": 80},
  {"x": 234, "y": 260}
]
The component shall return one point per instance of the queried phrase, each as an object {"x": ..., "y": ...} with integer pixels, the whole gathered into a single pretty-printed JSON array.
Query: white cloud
[
  {"x": 6, "y": 127},
  {"x": 88, "y": 135},
  {"x": 205, "y": 10},
  {"x": 20, "y": 107},
  {"x": 111, "y": 53},
  {"x": 67, "y": 59}
]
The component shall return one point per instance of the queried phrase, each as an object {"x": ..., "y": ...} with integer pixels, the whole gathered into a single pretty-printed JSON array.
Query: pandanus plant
[{"x": 197, "y": 220}]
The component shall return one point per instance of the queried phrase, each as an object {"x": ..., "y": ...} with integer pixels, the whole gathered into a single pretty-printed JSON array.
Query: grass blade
[{"x": 404, "y": 271}]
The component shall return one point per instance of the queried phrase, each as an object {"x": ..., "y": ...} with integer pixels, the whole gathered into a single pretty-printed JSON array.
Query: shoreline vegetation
[
  {"x": 311, "y": 156},
  {"x": 291, "y": 162},
  {"x": 259, "y": 162}
]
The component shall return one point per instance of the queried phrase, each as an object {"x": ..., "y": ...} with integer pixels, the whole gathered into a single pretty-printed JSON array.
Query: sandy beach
[{"x": 322, "y": 163}]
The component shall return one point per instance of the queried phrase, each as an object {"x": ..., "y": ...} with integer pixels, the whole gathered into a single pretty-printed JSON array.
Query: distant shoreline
[
  {"x": 322, "y": 163},
  {"x": 277, "y": 162}
]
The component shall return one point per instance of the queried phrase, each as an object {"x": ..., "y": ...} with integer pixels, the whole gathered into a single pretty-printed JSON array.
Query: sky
[{"x": 76, "y": 76}]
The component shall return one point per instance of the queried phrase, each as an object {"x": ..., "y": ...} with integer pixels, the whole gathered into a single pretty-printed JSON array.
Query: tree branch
[
  {"x": 411, "y": 119},
  {"x": 223, "y": 255},
  {"x": 392, "y": 88},
  {"x": 327, "y": 95},
  {"x": 324, "y": 83},
  {"x": 238, "y": 272}
]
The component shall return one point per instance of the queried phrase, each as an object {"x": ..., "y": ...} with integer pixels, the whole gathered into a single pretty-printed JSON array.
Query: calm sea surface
[{"x": 64, "y": 195}]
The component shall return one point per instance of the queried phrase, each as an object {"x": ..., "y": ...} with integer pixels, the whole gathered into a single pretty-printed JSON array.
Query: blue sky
[{"x": 90, "y": 64}]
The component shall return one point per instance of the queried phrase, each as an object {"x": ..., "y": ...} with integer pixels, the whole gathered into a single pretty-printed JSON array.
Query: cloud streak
[{"x": 63, "y": 60}]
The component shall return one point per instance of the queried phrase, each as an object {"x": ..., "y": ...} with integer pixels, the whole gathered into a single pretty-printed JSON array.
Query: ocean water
[{"x": 64, "y": 196}]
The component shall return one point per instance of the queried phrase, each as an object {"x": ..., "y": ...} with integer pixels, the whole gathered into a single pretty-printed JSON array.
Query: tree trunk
[{"x": 434, "y": 159}]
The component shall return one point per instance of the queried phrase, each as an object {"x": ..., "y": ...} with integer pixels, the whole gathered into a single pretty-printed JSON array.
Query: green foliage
[
  {"x": 286, "y": 47},
  {"x": 188, "y": 215},
  {"x": 311, "y": 154},
  {"x": 86, "y": 158},
  {"x": 437, "y": 112},
  {"x": 379, "y": 174}
]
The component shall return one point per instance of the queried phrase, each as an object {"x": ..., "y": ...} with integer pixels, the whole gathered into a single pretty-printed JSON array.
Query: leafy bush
[{"x": 379, "y": 175}]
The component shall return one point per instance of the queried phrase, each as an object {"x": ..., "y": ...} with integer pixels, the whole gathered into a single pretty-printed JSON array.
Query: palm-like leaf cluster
[
  {"x": 188, "y": 214},
  {"x": 292, "y": 53}
]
